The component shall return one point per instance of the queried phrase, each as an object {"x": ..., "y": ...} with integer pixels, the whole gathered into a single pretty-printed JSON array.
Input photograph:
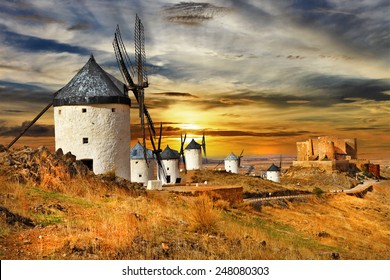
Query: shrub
[
  {"x": 202, "y": 216},
  {"x": 318, "y": 191}
]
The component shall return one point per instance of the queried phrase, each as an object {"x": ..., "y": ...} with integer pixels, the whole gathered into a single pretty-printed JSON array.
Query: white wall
[
  {"x": 140, "y": 171},
  {"x": 172, "y": 169},
  {"x": 273, "y": 176},
  {"x": 108, "y": 135},
  {"x": 193, "y": 159},
  {"x": 231, "y": 166}
]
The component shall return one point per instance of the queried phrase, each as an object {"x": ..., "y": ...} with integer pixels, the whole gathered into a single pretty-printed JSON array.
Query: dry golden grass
[
  {"x": 85, "y": 218},
  {"x": 202, "y": 215}
]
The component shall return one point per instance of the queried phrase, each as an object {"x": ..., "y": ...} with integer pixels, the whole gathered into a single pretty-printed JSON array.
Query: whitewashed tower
[
  {"x": 141, "y": 170},
  {"x": 92, "y": 120},
  {"x": 273, "y": 173},
  {"x": 193, "y": 155},
  {"x": 170, "y": 161},
  {"x": 231, "y": 163}
]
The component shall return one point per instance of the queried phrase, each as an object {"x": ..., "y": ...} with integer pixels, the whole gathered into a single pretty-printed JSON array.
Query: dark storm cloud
[
  {"x": 172, "y": 131},
  {"x": 24, "y": 11},
  {"x": 16, "y": 92},
  {"x": 191, "y": 12},
  {"x": 227, "y": 133},
  {"x": 358, "y": 128},
  {"x": 80, "y": 26},
  {"x": 176, "y": 94},
  {"x": 35, "y": 130},
  {"x": 346, "y": 23},
  {"x": 14, "y": 111},
  {"x": 319, "y": 91},
  {"x": 34, "y": 44},
  {"x": 330, "y": 90}
]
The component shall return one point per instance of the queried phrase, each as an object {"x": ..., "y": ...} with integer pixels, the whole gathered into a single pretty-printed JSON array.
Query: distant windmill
[{"x": 139, "y": 70}]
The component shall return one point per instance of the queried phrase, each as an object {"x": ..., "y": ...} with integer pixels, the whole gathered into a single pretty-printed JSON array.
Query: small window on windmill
[
  {"x": 85, "y": 140},
  {"x": 59, "y": 112},
  {"x": 167, "y": 168},
  {"x": 140, "y": 175},
  {"x": 113, "y": 110},
  {"x": 136, "y": 162},
  {"x": 84, "y": 110}
]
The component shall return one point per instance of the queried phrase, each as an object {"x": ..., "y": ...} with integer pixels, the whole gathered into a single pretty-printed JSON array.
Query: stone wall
[
  {"x": 326, "y": 147},
  {"x": 327, "y": 165}
]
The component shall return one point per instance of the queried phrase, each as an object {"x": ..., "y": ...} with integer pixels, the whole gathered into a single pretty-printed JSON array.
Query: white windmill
[
  {"x": 141, "y": 169},
  {"x": 170, "y": 161},
  {"x": 273, "y": 173},
  {"x": 91, "y": 120},
  {"x": 231, "y": 163}
]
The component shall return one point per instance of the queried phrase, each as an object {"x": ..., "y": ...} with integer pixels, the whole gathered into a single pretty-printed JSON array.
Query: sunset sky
[{"x": 253, "y": 75}]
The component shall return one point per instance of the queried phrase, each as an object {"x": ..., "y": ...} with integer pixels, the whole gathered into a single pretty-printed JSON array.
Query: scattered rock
[
  {"x": 323, "y": 234},
  {"x": 37, "y": 165},
  {"x": 12, "y": 218},
  {"x": 335, "y": 256},
  {"x": 2, "y": 148}
]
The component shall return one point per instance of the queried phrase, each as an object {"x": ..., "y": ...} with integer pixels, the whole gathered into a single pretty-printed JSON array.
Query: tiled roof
[
  {"x": 168, "y": 153},
  {"x": 193, "y": 146},
  {"x": 92, "y": 85},
  {"x": 137, "y": 152},
  {"x": 273, "y": 167},
  {"x": 232, "y": 156}
]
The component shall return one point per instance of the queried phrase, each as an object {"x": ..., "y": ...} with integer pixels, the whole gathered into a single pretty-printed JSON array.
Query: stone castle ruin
[{"x": 326, "y": 152}]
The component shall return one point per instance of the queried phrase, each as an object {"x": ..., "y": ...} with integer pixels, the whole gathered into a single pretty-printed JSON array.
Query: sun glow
[{"x": 189, "y": 126}]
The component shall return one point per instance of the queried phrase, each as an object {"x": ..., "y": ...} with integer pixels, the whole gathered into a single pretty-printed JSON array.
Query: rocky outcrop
[
  {"x": 28, "y": 164},
  {"x": 12, "y": 218}
]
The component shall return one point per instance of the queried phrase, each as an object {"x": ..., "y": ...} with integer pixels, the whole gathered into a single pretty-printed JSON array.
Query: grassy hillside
[{"x": 91, "y": 218}]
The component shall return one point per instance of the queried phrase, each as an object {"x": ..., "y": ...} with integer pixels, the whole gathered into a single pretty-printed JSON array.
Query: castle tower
[
  {"x": 92, "y": 120},
  {"x": 170, "y": 160},
  {"x": 193, "y": 155},
  {"x": 231, "y": 163},
  {"x": 141, "y": 170},
  {"x": 273, "y": 173}
]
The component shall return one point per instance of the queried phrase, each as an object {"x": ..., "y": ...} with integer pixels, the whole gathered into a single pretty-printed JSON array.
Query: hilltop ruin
[{"x": 327, "y": 152}]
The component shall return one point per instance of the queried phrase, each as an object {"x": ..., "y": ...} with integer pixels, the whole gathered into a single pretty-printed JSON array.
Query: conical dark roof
[
  {"x": 168, "y": 153},
  {"x": 92, "y": 85},
  {"x": 137, "y": 152},
  {"x": 232, "y": 156},
  {"x": 193, "y": 146},
  {"x": 273, "y": 167}
]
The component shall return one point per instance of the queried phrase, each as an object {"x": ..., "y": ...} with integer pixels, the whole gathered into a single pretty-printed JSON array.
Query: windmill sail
[
  {"x": 128, "y": 70},
  {"x": 182, "y": 142},
  {"x": 204, "y": 147}
]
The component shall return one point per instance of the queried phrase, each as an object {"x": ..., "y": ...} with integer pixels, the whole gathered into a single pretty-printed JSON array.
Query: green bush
[{"x": 318, "y": 191}]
